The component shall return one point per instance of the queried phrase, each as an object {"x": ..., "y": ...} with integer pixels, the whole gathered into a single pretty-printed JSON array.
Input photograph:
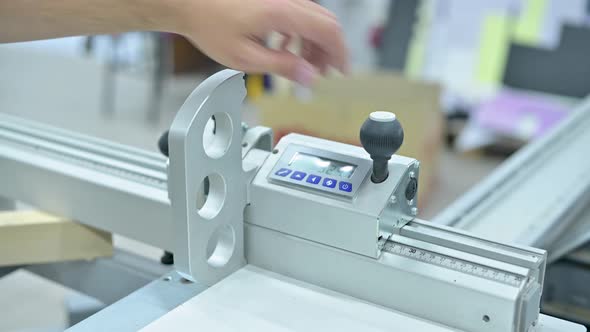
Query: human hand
[{"x": 234, "y": 33}]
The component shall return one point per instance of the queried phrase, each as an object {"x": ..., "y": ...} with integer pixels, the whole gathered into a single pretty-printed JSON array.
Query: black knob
[{"x": 381, "y": 136}]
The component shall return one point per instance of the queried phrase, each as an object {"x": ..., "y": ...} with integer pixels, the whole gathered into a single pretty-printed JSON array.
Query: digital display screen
[{"x": 315, "y": 164}]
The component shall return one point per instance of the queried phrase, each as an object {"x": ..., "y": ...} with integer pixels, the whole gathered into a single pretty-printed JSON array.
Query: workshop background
[{"x": 471, "y": 81}]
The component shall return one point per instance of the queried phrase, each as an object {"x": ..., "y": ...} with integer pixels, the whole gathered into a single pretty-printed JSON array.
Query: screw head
[
  {"x": 392, "y": 199},
  {"x": 412, "y": 175}
]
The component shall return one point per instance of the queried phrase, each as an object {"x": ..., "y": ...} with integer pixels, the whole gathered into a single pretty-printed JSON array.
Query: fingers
[
  {"x": 315, "y": 56},
  {"x": 285, "y": 43},
  {"x": 310, "y": 22},
  {"x": 260, "y": 59}
]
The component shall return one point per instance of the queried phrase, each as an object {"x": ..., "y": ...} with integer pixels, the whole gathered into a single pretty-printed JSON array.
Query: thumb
[{"x": 280, "y": 62}]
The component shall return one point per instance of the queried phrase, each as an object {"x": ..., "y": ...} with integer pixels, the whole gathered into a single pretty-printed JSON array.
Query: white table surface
[{"x": 253, "y": 299}]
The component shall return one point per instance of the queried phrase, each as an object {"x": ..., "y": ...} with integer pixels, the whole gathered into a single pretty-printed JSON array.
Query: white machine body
[
  {"x": 341, "y": 243},
  {"x": 308, "y": 209}
]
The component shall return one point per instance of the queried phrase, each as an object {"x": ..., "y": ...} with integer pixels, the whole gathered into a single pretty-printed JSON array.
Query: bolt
[
  {"x": 412, "y": 175},
  {"x": 392, "y": 199},
  {"x": 415, "y": 211}
]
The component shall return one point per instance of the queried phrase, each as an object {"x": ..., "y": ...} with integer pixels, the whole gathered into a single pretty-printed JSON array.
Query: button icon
[
  {"x": 345, "y": 186},
  {"x": 298, "y": 176},
  {"x": 314, "y": 179},
  {"x": 330, "y": 183},
  {"x": 283, "y": 172}
]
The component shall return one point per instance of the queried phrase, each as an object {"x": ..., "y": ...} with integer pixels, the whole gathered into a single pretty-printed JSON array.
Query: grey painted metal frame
[
  {"x": 105, "y": 279},
  {"x": 536, "y": 197}
]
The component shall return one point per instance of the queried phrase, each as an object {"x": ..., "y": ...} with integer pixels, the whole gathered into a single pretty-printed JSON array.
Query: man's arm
[
  {"x": 230, "y": 31},
  {"x": 25, "y": 20}
]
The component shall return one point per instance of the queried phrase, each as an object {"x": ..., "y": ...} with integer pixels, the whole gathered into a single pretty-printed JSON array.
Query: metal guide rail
[
  {"x": 89, "y": 152},
  {"x": 453, "y": 263},
  {"x": 103, "y": 184},
  {"x": 536, "y": 196}
]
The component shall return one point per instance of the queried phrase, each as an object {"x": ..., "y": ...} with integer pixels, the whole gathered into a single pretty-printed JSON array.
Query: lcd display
[{"x": 314, "y": 164}]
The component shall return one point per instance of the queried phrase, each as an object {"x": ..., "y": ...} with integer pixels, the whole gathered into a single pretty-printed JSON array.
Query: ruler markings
[{"x": 453, "y": 263}]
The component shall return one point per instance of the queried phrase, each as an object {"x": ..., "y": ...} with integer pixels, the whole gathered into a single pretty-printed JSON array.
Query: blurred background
[{"x": 471, "y": 81}]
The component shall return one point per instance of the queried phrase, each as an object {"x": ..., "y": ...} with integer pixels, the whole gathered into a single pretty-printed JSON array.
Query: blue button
[
  {"x": 298, "y": 176},
  {"x": 330, "y": 183},
  {"x": 283, "y": 172},
  {"x": 345, "y": 186},
  {"x": 314, "y": 179}
]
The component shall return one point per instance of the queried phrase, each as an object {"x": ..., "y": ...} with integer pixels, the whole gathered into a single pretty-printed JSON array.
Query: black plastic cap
[
  {"x": 163, "y": 143},
  {"x": 167, "y": 258}
]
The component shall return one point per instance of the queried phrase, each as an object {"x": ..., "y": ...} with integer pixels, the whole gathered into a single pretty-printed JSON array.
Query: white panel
[{"x": 256, "y": 300}]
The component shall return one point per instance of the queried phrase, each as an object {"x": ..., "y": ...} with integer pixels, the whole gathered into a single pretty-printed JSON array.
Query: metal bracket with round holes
[{"x": 206, "y": 182}]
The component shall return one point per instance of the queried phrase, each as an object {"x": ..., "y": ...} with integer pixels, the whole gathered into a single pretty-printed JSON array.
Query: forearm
[
  {"x": 22, "y": 20},
  {"x": 232, "y": 32}
]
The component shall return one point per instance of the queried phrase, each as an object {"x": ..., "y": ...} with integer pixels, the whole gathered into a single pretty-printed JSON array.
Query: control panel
[{"x": 321, "y": 170}]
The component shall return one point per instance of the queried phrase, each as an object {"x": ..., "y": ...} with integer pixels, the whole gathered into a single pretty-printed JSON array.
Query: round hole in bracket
[
  {"x": 211, "y": 195},
  {"x": 217, "y": 135},
  {"x": 220, "y": 246}
]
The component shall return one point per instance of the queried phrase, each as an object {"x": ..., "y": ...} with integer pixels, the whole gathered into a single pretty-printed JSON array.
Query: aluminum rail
[
  {"x": 537, "y": 196},
  {"x": 109, "y": 186}
]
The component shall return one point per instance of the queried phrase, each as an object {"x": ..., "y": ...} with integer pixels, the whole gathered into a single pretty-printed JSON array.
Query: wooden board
[{"x": 28, "y": 237}]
